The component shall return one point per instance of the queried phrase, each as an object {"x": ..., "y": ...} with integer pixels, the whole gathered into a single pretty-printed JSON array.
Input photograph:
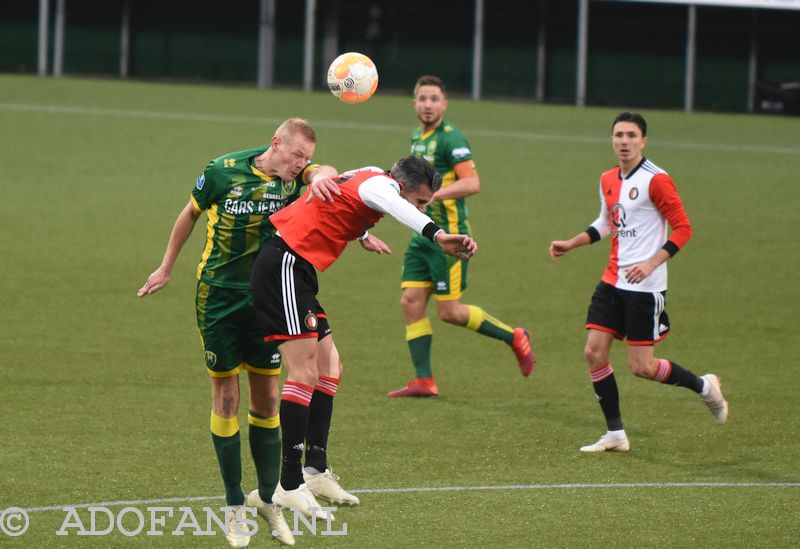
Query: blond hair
[{"x": 297, "y": 127}]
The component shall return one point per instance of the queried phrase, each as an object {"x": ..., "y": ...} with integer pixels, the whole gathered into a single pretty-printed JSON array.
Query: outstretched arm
[
  {"x": 457, "y": 245},
  {"x": 180, "y": 234}
]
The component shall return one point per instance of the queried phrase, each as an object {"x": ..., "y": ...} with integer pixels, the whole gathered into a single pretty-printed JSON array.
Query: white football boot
[
  {"x": 712, "y": 396},
  {"x": 612, "y": 441},
  {"x": 326, "y": 486},
  {"x": 273, "y": 514},
  {"x": 300, "y": 499},
  {"x": 237, "y": 533}
]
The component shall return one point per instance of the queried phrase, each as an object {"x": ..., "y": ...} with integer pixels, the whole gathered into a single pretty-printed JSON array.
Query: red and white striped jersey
[{"x": 635, "y": 211}]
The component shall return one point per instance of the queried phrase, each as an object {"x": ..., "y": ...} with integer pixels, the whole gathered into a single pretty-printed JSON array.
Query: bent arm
[
  {"x": 381, "y": 194},
  {"x": 466, "y": 184}
]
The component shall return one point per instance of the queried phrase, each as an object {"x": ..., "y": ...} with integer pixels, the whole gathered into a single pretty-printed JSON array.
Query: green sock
[
  {"x": 265, "y": 446},
  {"x": 488, "y": 325},
  {"x": 419, "y": 337},
  {"x": 227, "y": 444}
]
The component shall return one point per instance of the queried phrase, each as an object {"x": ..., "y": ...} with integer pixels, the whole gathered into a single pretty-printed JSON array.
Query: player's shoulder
[
  {"x": 449, "y": 129},
  {"x": 234, "y": 161},
  {"x": 649, "y": 167},
  {"x": 367, "y": 172},
  {"x": 611, "y": 172}
]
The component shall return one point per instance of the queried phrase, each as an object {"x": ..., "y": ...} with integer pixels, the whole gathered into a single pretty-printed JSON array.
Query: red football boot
[
  {"x": 420, "y": 387},
  {"x": 524, "y": 351}
]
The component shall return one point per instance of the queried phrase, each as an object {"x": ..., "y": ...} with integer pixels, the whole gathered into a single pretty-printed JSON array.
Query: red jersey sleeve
[{"x": 665, "y": 196}]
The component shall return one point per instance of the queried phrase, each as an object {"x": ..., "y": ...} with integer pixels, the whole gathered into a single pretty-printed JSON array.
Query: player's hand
[
  {"x": 155, "y": 282},
  {"x": 558, "y": 248},
  {"x": 374, "y": 244},
  {"x": 457, "y": 245},
  {"x": 322, "y": 188},
  {"x": 638, "y": 272}
]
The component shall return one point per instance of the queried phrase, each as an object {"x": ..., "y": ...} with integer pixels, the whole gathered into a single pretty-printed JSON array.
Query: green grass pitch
[{"x": 104, "y": 396}]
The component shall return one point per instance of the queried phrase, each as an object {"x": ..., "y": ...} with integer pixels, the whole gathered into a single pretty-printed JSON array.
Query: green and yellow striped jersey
[
  {"x": 238, "y": 199},
  {"x": 444, "y": 147}
]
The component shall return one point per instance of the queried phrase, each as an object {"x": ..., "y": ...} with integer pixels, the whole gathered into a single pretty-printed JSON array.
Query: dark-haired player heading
[
  {"x": 311, "y": 236},
  {"x": 637, "y": 202}
]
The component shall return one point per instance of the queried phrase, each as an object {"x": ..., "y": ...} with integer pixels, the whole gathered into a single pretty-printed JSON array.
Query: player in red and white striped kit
[{"x": 637, "y": 202}]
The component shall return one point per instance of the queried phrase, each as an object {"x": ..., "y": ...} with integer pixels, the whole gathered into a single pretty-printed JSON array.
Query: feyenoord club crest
[
  {"x": 634, "y": 192},
  {"x": 311, "y": 321}
]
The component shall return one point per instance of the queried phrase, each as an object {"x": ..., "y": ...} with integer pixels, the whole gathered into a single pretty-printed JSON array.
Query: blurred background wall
[{"x": 636, "y": 54}]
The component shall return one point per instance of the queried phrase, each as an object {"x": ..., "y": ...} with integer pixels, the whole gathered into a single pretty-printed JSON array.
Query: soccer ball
[{"x": 352, "y": 77}]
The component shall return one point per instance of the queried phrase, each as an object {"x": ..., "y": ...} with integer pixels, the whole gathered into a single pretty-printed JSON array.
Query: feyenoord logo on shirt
[
  {"x": 311, "y": 321},
  {"x": 633, "y": 194}
]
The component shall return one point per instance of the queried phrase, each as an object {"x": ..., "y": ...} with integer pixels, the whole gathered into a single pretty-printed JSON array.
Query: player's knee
[
  {"x": 451, "y": 316},
  {"x": 595, "y": 357},
  {"x": 267, "y": 406},
  {"x": 640, "y": 368},
  {"x": 408, "y": 302},
  {"x": 226, "y": 405}
]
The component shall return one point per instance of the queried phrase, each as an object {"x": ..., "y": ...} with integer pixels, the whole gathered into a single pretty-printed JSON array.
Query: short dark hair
[
  {"x": 429, "y": 80},
  {"x": 413, "y": 172},
  {"x": 634, "y": 117}
]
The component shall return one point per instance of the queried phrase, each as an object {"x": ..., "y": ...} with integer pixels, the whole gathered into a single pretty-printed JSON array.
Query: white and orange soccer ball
[{"x": 352, "y": 77}]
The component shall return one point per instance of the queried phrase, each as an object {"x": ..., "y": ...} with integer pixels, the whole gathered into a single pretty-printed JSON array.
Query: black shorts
[
  {"x": 638, "y": 316},
  {"x": 285, "y": 295}
]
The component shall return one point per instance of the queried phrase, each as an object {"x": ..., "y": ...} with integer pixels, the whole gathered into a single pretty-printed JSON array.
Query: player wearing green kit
[
  {"x": 429, "y": 272},
  {"x": 238, "y": 192}
]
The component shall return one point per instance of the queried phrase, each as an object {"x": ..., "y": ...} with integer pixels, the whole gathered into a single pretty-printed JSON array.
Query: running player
[
  {"x": 427, "y": 271},
  {"x": 637, "y": 202}
]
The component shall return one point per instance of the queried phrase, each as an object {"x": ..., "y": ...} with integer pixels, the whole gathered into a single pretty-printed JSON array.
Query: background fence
[{"x": 636, "y": 51}]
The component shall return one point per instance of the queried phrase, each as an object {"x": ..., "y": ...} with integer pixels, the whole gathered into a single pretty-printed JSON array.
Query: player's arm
[
  {"x": 183, "y": 227},
  {"x": 321, "y": 184},
  {"x": 467, "y": 183},
  {"x": 379, "y": 194},
  {"x": 665, "y": 196},
  {"x": 599, "y": 228}
]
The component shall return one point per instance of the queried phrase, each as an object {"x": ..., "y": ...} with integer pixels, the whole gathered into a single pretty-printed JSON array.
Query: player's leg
[
  {"x": 648, "y": 323},
  {"x": 265, "y": 446},
  {"x": 317, "y": 475},
  {"x": 416, "y": 288},
  {"x": 329, "y": 368},
  {"x": 225, "y": 435},
  {"x": 284, "y": 288},
  {"x": 604, "y": 322},
  {"x": 219, "y": 335},
  {"x": 450, "y": 276},
  {"x": 300, "y": 358}
]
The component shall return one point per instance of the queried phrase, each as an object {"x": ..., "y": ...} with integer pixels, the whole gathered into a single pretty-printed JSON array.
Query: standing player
[
  {"x": 239, "y": 191},
  {"x": 312, "y": 235},
  {"x": 637, "y": 201},
  {"x": 426, "y": 270}
]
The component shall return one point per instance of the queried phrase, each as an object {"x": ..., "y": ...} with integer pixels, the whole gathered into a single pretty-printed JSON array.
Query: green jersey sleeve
[
  {"x": 456, "y": 147},
  {"x": 210, "y": 186}
]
